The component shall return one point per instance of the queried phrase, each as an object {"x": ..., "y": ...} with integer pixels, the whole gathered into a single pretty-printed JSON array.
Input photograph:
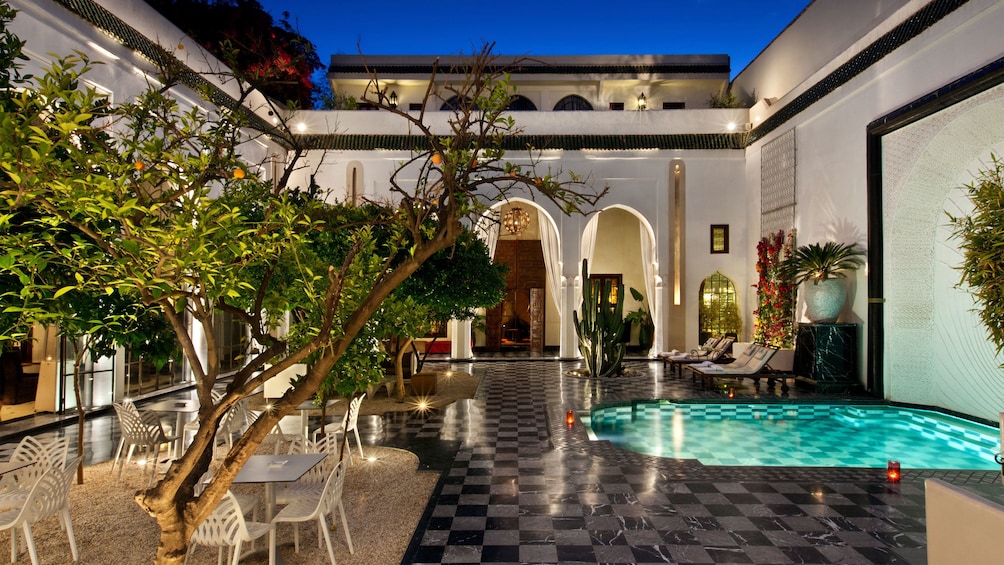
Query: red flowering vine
[{"x": 775, "y": 313}]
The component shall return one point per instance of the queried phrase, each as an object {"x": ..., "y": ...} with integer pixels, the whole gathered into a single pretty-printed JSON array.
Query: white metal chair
[
  {"x": 143, "y": 431},
  {"x": 314, "y": 508},
  {"x": 15, "y": 485},
  {"x": 226, "y": 527},
  {"x": 345, "y": 425},
  {"x": 311, "y": 484},
  {"x": 48, "y": 497}
]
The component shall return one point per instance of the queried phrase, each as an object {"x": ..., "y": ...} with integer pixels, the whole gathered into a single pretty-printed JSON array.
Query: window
[
  {"x": 600, "y": 282},
  {"x": 521, "y": 104},
  {"x": 415, "y": 107},
  {"x": 616, "y": 105},
  {"x": 673, "y": 105},
  {"x": 144, "y": 376},
  {"x": 719, "y": 238},
  {"x": 572, "y": 102},
  {"x": 232, "y": 341},
  {"x": 455, "y": 103},
  {"x": 719, "y": 311}
]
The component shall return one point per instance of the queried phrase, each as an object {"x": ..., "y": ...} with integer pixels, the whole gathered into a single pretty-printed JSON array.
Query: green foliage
[
  {"x": 642, "y": 317},
  {"x": 166, "y": 215},
  {"x": 720, "y": 317},
  {"x": 327, "y": 99},
  {"x": 601, "y": 327},
  {"x": 981, "y": 239},
  {"x": 273, "y": 56},
  {"x": 815, "y": 262},
  {"x": 724, "y": 99},
  {"x": 10, "y": 52},
  {"x": 775, "y": 291},
  {"x": 457, "y": 281}
]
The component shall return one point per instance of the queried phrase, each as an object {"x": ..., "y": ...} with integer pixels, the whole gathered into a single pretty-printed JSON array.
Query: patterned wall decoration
[
  {"x": 936, "y": 350},
  {"x": 777, "y": 184}
]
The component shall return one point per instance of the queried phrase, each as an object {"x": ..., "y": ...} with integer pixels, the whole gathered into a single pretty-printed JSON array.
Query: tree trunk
[
  {"x": 77, "y": 359},
  {"x": 172, "y": 501},
  {"x": 399, "y": 367}
]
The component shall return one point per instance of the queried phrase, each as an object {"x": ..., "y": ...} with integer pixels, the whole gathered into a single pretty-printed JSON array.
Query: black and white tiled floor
[
  {"x": 520, "y": 486},
  {"x": 525, "y": 488}
]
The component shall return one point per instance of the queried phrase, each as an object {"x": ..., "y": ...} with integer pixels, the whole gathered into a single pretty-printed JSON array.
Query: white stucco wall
[
  {"x": 638, "y": 180},
  {"x": 831, "y": 168}
]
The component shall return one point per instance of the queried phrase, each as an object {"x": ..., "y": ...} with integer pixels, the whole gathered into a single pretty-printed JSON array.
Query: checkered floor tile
[{"x": 519, "y": 485}]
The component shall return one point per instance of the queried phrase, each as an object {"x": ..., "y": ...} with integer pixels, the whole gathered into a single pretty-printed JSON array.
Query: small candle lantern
[
  {"x": 892, "y": 471},
  {"x": 570, "y": 418}
]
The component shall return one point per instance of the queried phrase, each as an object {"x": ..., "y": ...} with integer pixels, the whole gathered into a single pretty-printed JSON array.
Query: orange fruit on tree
[
  {"x": 437, "y": 159},
  {"x": 139, "y": 165},
  {"x": 238, "y": 173}
]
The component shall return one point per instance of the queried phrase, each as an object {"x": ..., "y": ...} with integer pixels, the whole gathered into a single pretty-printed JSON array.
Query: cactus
[{"x": 600, "y": 327}]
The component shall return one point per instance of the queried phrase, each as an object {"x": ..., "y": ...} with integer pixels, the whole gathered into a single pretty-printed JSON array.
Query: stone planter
[{"x": 824, "y": 300}]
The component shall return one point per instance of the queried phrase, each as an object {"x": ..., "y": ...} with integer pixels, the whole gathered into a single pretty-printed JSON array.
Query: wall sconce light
[
  {"x": 393, "y": 99},
  {"x": 570, "y": 418},
  {"x": 892, "y": 471},
  {"x": 642, "y": 102}
]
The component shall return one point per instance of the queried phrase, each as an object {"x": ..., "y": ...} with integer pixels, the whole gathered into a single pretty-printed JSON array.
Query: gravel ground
[{"x": 384, "y": 500}]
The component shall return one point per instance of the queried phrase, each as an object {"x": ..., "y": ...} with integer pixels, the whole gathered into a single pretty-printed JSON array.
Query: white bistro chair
[
  {"x": 48, "y": 497},
  {"x": 314, "y": 508},
  {"x": 345, "y": 425},
  {"x": 142, "y": 431},
  {"x": 15, "y": 485},
  {"x": 226, "y": 527}
]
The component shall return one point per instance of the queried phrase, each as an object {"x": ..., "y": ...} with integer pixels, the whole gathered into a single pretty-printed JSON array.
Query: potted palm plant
[
  {"x": 642, "y": 317},
  {"x": 826, "y": 266}
]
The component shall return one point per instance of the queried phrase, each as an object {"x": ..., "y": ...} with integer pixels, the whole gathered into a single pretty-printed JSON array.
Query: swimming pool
[{"x": 797, "y": 435}]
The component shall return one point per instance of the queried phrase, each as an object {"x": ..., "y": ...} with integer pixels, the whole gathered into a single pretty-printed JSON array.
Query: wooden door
[
  {"x": 537, "y": 311},
  {"x": 493, "y": 329}
]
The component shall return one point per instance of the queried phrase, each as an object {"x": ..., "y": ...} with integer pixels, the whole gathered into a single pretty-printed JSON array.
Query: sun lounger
[
  {"x": 752, "y": 363},
  {"x": 676, "y": 360}
]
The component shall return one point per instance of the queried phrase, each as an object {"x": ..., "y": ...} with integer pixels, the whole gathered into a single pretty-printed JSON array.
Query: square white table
[
  {"x": 181, "y": 408},
  {"x": 272, "y": 469}
]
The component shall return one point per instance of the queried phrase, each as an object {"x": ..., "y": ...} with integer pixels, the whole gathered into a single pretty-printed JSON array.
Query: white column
[
  {"x": 569, "y": 340},
  {"x": 460, "y": 347}
]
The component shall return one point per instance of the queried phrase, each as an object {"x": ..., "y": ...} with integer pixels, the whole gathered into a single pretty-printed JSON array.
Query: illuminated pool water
[{"x": 797, "y": 435}]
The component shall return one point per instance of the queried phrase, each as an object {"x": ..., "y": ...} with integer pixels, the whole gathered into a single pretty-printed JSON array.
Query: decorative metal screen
[{"x": 777, "y": 184}]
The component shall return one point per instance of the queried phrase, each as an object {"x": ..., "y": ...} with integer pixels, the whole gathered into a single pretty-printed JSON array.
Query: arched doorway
[
  {"x": 719, "y": 310},
  {"x": 620, "y": 241},
  {"x": 525, "y": 238}
]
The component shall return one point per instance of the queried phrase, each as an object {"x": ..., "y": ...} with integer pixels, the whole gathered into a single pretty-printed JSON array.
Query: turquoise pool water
[{"x": 797, "y": 435}]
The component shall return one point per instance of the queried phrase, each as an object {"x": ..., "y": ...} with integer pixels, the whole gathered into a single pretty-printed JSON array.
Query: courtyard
[{"x": 517, "y": 484}]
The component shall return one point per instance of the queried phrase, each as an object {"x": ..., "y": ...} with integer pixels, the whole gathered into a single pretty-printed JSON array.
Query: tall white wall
[
  {"x": 638, "y": 180},
  {"x": 831, "y": 175}
]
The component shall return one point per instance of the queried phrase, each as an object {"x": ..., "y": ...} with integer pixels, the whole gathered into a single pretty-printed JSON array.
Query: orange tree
[{"x": 165, "y": 210}]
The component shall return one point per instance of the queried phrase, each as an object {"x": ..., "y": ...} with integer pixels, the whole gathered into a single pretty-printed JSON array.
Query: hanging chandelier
[{"x": 516, "y": 220}]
